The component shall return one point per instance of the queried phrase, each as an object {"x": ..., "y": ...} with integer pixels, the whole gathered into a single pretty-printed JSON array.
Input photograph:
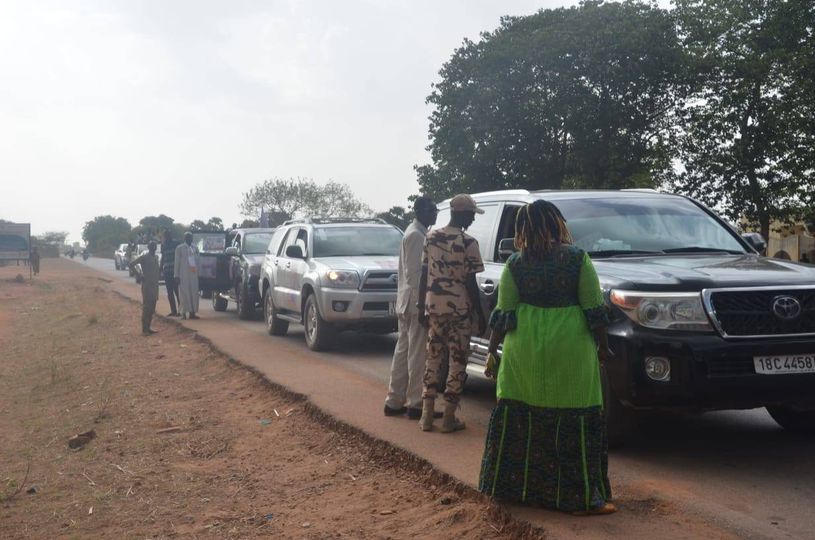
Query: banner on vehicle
[{"x": 15, "y": 241}]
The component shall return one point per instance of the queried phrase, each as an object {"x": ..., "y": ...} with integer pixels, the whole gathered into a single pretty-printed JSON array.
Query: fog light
[
  {"x": 340, "y": 306},
  {"x": 658, "y": 368}
]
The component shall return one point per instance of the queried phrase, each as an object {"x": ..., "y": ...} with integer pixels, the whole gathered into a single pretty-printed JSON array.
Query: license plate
[
  {"x": 392, "y": 309},
  {"x": 778, "y": 365}
]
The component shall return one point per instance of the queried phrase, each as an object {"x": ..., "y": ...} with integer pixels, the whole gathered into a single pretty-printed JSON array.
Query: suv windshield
[
  {"x": 256, "y": 243},
  {"x": 616, "y": 226},
  {"x": 356, "y": 241}
]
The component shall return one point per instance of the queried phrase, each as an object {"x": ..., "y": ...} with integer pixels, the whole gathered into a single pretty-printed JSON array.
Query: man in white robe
[{"x": 187, "y": 264}]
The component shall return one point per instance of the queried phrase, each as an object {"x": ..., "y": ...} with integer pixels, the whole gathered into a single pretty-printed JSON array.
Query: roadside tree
[
  {"x": 105, "y": 233},
  {"x": 397, "y": 215},
  {"x": 213, "y": 224},
  {"x": 577, "y": 97},
  {"x": 748, "y": 146},
  {"x": 298, "y": 197}
]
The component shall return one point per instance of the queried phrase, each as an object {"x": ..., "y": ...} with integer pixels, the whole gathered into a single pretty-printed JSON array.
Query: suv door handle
[{"x": 488, "y": 286}]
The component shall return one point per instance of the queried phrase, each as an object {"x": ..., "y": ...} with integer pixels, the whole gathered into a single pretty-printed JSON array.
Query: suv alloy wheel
[
  {"x": 274, "y": 326},
  {"x": 319, "y": 333}
]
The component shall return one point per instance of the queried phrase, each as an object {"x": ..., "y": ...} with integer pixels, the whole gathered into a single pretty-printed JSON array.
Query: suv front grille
[
  {"x": 753, "y": 313},
  {"x": 381, "y": 281}
]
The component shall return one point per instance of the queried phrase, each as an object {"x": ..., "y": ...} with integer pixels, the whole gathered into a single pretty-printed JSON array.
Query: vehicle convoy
[
  {"x": 246, "y": 255},
  {"x": 700, "y": 321},
  {"x": 330, "y": 275},
  {"x": 120, "y": 257}
]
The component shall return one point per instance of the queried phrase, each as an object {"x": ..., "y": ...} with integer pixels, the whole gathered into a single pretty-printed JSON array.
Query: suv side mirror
[
  {"x": 295, "y": 252},
  {"x": 506, "y": 248},
  {"x": 232, "y": 251},
  {"x": 756, "y": 241}
]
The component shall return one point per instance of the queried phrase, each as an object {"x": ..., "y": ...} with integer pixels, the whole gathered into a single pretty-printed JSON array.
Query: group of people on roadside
[
  {"x": 179, "y": 269},
  {"x": 546, "y": 441}
]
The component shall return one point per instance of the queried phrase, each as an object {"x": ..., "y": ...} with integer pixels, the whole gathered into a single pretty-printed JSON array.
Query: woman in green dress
[{"x": 546, "y": 443}]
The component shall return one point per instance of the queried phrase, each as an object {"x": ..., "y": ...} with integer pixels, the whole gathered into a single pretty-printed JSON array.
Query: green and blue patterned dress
[{"x": 546, "y": 443}]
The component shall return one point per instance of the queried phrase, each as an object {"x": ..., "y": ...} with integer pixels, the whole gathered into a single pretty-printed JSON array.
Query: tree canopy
[
  {"x": 748, "y": 143},
  {"x": 213, "y": 224},
  {"x": 105, "y": 233},
  {"x": 299, "y": 197},
  {"x": 570, "y": 97}
]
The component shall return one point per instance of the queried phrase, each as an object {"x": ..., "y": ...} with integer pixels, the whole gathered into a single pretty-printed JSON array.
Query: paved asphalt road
[{"x": 737, "y": 468}]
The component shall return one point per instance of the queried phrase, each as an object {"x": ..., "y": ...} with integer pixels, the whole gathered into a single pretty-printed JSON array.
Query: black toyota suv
[{"x": 700, "y": 322}]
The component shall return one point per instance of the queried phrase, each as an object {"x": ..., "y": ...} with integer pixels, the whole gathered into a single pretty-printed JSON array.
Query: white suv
[{"x": 331, "y": 275}]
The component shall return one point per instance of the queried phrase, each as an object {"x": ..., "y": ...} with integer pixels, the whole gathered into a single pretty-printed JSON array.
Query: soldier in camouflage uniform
[{"x": 448, "y": 302}]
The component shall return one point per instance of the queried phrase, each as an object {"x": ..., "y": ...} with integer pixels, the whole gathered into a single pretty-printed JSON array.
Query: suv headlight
[
  {"x": 342, "y": 279},
  {"x": 663, "y": 311}
]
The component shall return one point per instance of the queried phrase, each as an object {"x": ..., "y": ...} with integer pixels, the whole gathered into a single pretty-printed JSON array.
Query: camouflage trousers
[{"x": 448, "y": 336}]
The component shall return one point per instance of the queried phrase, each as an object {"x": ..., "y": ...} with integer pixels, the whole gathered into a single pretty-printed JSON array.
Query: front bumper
[
  {"x": 707, "y": 371},
  {"x": 354, "y": 308}
]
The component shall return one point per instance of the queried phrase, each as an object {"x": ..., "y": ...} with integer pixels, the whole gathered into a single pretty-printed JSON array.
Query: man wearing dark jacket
[{"x": 167, "y": 267}]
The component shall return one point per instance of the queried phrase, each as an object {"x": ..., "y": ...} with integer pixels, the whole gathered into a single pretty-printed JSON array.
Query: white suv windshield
[
  {"x": 356, "y": 241},
  {"x": 621, "y": 225}
]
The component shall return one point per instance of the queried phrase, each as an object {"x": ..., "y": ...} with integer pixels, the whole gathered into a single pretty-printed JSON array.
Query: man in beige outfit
[{"x": 408, "y": 366}]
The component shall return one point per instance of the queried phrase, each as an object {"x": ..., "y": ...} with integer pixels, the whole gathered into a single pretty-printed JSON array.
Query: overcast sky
[{"x": 137, "y": 108}]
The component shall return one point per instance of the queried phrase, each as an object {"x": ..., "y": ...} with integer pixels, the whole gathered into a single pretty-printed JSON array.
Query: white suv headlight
[
  {"x": 342, "y": 279},
  {"x": 663, "y": 311}
]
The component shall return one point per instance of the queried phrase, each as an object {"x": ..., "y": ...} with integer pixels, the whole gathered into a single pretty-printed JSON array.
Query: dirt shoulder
[{"x": 186, "y": 443}]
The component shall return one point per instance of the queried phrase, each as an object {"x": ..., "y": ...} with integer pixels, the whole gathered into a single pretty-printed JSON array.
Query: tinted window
[
  {"x": 356, "y": 241},
  {"x": 255, "y": 243},
  {"x": 482, "y": 229},
  {"x": 644, "y": 224}
]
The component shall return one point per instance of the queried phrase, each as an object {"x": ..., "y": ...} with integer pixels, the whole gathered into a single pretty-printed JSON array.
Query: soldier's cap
[{"x": 464, "y": 203}]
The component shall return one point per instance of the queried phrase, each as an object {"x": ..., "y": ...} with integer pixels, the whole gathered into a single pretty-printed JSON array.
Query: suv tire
[
  {"x": 274, "y": 326},
  {"x": 219, "y": 303},
  {"x": 246, "y": 310},
  {"x": 116, "y": 263},
  {"x": 319, "y": 333},
  {"x": 621, "y": 422},
  {"x": 800, "y": 422}
]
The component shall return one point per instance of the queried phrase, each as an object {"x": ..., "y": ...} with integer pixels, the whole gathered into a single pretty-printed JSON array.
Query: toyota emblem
[{"x": 786, "y": 307}]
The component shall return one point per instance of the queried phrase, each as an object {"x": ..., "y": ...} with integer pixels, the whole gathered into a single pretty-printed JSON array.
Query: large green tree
[
  {"x": 301, "y": 197},
  {"x": 749, "y": 131},
  {"x": 105, "y": 233},
  {"x": 577, "y": 97}
]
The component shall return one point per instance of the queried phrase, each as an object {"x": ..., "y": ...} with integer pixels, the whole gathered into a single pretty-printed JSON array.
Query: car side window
[
  {"x": 506, "y": 227},
  {"x": 281, "y": 252},
  {"x": 482, "y": 229},
  {"x": 274, "y": 242},
  {"x": 302, "y": 240}
]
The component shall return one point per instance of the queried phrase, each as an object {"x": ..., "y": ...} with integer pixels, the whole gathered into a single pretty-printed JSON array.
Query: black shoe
[
  {"x": 194, "y": 316},
  {"x": 415, "y": 413},
  {"x": 174, "y": 315},
  {"x": 390, "y": 411}
]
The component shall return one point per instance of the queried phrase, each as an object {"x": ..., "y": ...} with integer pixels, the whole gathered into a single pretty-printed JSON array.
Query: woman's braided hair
[{"x": 539, "y": 226}]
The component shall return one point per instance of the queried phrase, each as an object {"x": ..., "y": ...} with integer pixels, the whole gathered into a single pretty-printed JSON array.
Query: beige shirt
[
  {"x": 410, "y": 268},
  {"x": 450, "y": 256}
]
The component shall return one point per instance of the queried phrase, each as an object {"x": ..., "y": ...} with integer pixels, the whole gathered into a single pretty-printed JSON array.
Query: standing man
[
  {"x": 407, "y": 368},
  {"x": 168, "y": 271},
  {"x": 185, "y": 272},
  {"x": 35, "y": 260},
  {"x": 448, "y": 299},
  {"x": 149, "y": 286}
]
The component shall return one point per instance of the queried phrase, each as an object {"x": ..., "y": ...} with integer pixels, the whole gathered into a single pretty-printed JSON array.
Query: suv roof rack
[{"x": 330, "y": 220}]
